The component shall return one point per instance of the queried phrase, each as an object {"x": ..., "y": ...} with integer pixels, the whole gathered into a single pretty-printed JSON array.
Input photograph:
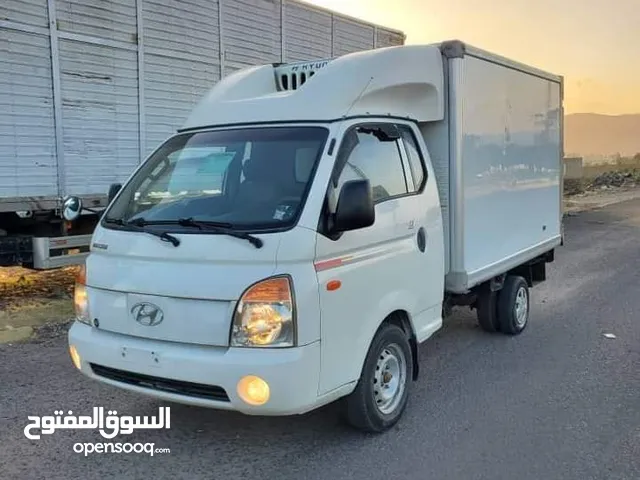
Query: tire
[
  {"x": 513, "y": 306},
  {"x": 367, "y": 408},
  {"x": 487, "y": 311}
]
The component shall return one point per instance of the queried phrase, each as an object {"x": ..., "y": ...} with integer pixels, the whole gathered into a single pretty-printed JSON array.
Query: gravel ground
[{"x": 560, "y": 401}]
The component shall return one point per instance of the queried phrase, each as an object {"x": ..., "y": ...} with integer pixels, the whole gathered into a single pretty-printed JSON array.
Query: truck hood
[
  {"x": 191, "y": 290},
  {"x": 206, "y": 267}
]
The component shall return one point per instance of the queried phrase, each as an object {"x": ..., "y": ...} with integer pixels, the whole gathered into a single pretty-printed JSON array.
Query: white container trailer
[
  {"x": 89, "y": 88},
  {"x": 498, "y": 160},
  {"x": 357, "y": 201}
]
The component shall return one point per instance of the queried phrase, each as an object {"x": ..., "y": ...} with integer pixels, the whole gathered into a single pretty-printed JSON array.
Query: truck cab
[{"x": 285, "y": 249}]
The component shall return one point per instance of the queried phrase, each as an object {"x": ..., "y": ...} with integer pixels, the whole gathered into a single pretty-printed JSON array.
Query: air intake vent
[
  {"x": 189, "y": 389},
  {"x": 292, "y": 76}
]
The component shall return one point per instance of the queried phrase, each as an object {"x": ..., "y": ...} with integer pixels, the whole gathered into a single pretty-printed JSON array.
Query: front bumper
[{"x": 200, "y": 375}]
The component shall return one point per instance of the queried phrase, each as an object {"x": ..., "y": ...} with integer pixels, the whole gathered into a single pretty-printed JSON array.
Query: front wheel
[{"x": 381, "y": 395}]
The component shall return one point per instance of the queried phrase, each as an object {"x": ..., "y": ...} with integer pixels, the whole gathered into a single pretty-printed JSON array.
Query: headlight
[
  {"x": 265, "y": 315},
  {"x": 80, "y": 300}
]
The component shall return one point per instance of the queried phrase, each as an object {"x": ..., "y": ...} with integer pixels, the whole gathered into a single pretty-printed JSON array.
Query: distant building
[{"x": 573, "y": 167}]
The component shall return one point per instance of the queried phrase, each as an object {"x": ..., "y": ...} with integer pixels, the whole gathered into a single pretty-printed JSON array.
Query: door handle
[{"x": 422, "y": 239}]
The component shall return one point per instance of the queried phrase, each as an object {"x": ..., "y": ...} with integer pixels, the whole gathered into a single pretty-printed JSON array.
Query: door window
[
  {"x": 416, "y": 162},
  {"x": 364, "y": 156}
]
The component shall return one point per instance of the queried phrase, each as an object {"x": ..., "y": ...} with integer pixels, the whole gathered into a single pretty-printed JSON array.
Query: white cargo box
[{"x": 498, "y": 161}]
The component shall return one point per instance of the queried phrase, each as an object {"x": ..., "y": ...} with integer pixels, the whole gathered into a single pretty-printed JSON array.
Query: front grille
[{"x": 209, "y": 392}]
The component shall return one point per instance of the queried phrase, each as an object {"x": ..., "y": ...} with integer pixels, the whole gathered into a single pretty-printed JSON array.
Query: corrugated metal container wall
[
  {"x": 111, "y": 19},
  {"x": 121, "y": 75},
  {"x": 33, "y": 13},
  {"x": 99, "y": 87},
  {"x": 387, "y": 38},
  {"x": 251, "y": 33},
  {"x": 306, "y": 32},
  {"x": 349, "y": 36},
  {"x": 181, "y": 62},
  {"x": 28, "y": 165}
]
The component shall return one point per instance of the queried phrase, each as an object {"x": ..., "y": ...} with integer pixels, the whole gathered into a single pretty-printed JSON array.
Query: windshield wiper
[
  {"x": 217, "y": 227},
  {"x": 190, "y": 222},
  {"x": 220, "y": 227},
  {"x": 138, "y": 225}
]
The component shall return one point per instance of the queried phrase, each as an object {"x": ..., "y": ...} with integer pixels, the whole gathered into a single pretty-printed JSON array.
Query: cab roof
[{"x": 405, "y": 81}]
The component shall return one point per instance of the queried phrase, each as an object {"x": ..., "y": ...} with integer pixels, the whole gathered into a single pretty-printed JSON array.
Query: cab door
[
  {"x": 423, "y": 215},
  {"x": 366, "y": 274}
]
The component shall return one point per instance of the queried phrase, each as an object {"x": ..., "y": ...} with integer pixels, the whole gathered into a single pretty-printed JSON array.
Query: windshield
[{"x": 250, "y": 178}]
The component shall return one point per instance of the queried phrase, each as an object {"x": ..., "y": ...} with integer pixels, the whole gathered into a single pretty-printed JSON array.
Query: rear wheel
[
  {"x": 381, "y": 395},
  {"x": 513, "y": 305},
  {"x": 487, "y": 311}
]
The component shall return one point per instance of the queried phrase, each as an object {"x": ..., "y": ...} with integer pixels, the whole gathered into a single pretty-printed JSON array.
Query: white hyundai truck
[{"x": 313, "y": 223}]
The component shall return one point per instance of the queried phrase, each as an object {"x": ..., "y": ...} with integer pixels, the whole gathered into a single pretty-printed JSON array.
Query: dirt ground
[
  {"x": 41, "y": 303},
  {"x": 31, "y": 301},
  {"x": 599, "y": 198}
]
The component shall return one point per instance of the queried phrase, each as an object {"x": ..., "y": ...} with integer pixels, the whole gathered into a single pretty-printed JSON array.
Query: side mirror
[
  {"x": 113, "y": 191},
  {"x": 71, "y": 208},
  {"x": 355, "y": 207}
]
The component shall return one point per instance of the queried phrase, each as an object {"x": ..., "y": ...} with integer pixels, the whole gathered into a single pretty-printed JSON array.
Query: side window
[
  {"x": 363, "y": 156},
  {"x": 416, "y": 162}
]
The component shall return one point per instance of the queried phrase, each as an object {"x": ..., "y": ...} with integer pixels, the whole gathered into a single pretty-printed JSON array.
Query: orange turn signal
[
  {"x": 81, "y": 276},
  {"x": 272, "y": 290},
  {"x": 334, "y": 285}
]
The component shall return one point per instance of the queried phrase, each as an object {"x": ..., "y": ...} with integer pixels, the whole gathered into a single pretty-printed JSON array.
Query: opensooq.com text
[{"x": 90, "y": 448}]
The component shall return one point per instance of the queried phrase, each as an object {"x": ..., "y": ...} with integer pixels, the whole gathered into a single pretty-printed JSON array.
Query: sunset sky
[{"x": 595, "y": 44}]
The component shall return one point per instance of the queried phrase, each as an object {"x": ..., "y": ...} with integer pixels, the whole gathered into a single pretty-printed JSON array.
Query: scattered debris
[
  {"x": 574, "y": 186},
  {"x": 609, "y": 180},
  {"x": 51, "y": 330}
]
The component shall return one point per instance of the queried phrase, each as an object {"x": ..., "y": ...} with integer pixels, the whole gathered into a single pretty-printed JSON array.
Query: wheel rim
[
  {"x": 389, "y": 379},
  {"x": 522, "y": 307}
]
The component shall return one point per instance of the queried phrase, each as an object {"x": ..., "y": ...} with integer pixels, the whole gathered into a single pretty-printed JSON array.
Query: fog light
[
  {"x": 75, "y": 356},
  {"x": 253, "y": 390}
]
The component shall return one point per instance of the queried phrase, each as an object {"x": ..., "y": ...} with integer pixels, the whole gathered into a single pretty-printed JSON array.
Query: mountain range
[{"x": 591, "y": 134}]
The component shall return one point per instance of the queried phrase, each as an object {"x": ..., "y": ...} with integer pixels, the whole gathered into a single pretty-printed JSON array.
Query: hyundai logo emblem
[{"x": 147, "y": 314}]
